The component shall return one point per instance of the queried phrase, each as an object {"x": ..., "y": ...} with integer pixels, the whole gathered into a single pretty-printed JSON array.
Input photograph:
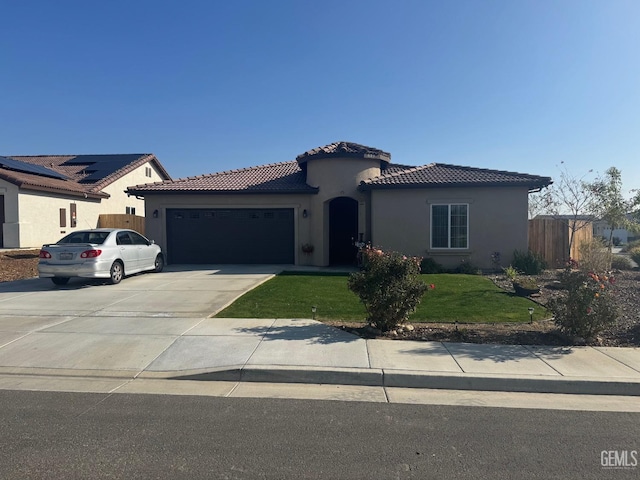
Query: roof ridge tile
[
  {"x": 480, "y": 169},
  {"x": 412, "y": 169}
]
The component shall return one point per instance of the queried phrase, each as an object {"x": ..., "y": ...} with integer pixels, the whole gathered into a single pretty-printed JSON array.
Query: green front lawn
[{"x": 457, "y": 297}]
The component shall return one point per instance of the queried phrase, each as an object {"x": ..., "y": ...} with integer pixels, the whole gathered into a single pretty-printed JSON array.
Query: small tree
[
  {"x": 568, "y": 199},
  {"x": 389, "y": 286},
  {"x": 608, "y": 204}
]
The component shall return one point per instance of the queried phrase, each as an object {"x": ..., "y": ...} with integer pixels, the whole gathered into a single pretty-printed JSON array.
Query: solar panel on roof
[
  {"x": 25, "y": 167},
  {"x": 101, "y": 166},
  {"x": 88, "y": 159}
]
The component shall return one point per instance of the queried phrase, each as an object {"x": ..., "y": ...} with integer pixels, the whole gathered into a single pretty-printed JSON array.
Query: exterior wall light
[
  {"x": 305, "y": 213},
  {"x": 156, "y": 213}
]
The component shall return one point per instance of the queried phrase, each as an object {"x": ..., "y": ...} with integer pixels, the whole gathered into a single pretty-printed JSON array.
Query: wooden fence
[
  {"x": 550, "y": 238},
  {"x": 115, "y": 220}
]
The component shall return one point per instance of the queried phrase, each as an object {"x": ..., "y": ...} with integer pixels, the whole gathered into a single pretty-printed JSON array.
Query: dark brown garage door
[{"x": 243, "y": 235}]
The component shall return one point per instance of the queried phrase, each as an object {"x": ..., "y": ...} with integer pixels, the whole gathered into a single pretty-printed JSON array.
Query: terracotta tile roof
[
  {"x": 443, "y": 175},
  {"x": 85, "y": 174},
  {"x": 344, "y": 149},
  {"x": 284, "y": 177},
  {"x": 290, "y": 177}
]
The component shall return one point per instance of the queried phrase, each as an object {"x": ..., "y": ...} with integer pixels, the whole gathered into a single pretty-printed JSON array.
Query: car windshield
[{"x": 96, "y": 238}]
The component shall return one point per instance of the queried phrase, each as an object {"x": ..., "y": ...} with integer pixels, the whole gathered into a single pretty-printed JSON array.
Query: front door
[{"x": 343, "y": 231}]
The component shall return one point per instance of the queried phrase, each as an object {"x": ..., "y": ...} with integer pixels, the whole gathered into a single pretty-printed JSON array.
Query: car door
[
  {"x": 128, "y": 252},
  {"x": 146, "y": 251}
]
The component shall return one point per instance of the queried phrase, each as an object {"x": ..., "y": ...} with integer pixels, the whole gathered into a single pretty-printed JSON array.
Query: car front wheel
[
  {"x": 116, "y": 273},
  {"x": 159, "y": 264},
  {"x": 60, "y": 280}
]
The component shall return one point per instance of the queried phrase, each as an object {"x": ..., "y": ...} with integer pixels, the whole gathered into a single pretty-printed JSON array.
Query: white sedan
[{"x": 101, "y": 253}]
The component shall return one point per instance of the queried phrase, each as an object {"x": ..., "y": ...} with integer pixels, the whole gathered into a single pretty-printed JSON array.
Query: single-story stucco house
[
  {"x": 44, "y": 197},
  {"x": 312, "y": 210}
]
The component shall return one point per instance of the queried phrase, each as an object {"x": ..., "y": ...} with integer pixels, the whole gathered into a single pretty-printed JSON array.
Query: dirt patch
[{"x": 18, "y": 265}]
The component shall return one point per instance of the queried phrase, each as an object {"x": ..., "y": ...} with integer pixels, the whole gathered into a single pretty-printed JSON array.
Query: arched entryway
[{"x": 343, "y": 230}]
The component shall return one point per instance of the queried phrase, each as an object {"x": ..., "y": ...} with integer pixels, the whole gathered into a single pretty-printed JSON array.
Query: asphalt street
[{"x": 52, "y": 435}]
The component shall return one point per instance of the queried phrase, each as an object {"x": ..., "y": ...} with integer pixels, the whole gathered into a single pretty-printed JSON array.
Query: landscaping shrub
[
  {"x": 389, "y": 287},
  {"x": 631, "y": 246},
  {"x": 635, "y": 255},
  {"x": 467, "y": 268},
  {"x": 586, "y": 306},
  {"x": 594, "y": 256},
  {"x": 528, "y": 263},
  {"x": 430, "y": 266},
  {"x": 618, "y": 262},
  {"x": 510, "y": 272}
]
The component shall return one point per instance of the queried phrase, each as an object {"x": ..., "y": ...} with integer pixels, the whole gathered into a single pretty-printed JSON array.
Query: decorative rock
[
  {"x": 409, "y": 328},
  {"x": 393, "y": 333}
]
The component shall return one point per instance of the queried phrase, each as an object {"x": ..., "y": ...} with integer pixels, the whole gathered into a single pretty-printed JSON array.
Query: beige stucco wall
[
  {"x": 337, "y": 177},
  {"x": 35, "y": 217},
  {"x": 118, "y": 200},
  {"x": 10, "y": 232},
  {"x": 497, "y": 222},
  {"x": 40, "y": 217}
]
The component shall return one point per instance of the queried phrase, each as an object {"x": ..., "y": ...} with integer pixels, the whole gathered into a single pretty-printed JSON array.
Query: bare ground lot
[
  {"x": 18, "y": 265},
  {"x": 22, "y": 264}
]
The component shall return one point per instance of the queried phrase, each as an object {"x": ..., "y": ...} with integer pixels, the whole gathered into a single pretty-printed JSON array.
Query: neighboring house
[
  {"x": 603, "y": 230},
  {"x": 44, "y": 197},
  {"x": 331, "y": 197}
]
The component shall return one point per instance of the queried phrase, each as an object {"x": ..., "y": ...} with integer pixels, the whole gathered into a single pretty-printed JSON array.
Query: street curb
[
  {"x": 513, "y": 383},
  {"x": 417, "y": 379}
]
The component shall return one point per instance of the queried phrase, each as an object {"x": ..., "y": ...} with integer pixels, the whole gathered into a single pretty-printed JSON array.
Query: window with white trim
[{"x": 450, "y": 225}]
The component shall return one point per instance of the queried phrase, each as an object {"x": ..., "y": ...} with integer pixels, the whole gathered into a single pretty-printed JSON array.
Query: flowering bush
[
  {"x": 588, "y": 305},
  {"x": 389, "y": 286}
]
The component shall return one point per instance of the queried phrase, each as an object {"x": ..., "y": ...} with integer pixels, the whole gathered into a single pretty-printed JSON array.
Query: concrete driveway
[
  {"x": 193, "y": 291},
  {"x": 94, "y": 328}
]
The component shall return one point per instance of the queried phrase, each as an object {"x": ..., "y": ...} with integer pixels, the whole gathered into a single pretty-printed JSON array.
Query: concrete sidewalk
[{"x": 299, "y": 351}]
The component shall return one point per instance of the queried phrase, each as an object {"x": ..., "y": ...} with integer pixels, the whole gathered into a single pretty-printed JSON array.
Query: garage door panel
[{"x": 230, "y": 235}]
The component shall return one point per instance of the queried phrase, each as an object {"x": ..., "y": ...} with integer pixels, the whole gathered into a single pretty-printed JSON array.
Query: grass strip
[{"x": 457, "y": 297}]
